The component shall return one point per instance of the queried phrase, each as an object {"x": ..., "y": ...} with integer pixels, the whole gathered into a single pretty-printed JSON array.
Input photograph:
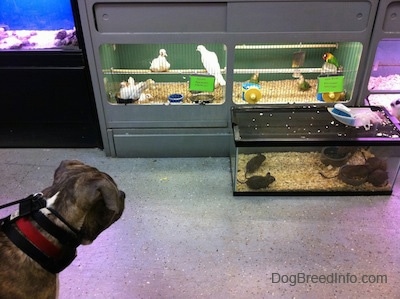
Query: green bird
[
  {"x": 255, "y": 78},
  {"x": 329, "y": 58},
  {"x": 303, "y": 84}
]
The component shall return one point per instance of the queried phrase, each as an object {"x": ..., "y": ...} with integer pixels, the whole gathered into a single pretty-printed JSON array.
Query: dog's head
[{"x": 88, "y": 199}]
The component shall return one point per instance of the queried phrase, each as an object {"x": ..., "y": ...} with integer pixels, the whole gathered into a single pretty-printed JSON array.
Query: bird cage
[
  {"x": 291, "y": 73},
  {"x": 177, "y": 70}
]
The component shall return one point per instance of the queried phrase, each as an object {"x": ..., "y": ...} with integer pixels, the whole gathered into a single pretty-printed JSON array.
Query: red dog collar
[{"x": 33, "y": 235}]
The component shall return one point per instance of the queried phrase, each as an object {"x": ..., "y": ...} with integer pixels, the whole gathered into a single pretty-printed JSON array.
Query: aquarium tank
[
  {"x": 36, "y": 25},
  {"x": 310, "y": 150}
]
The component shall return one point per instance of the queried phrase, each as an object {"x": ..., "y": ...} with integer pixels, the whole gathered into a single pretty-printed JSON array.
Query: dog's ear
[
  {"x": 110, "y": 193},
  {"x": 65, "y": 166},
  {"x": 64, "y": 171},
  {"x": 104, "y": 210}
]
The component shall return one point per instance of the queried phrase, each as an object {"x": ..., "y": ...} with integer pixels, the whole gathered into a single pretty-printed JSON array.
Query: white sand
[{"x": 29, "y": 39}]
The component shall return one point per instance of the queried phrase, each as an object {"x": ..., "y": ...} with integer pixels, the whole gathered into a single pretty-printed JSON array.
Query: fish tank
[
  {"x": 311, "y": 150},
  {"x": 384, "y": 82},
  {"x": 37, "y": 25}
]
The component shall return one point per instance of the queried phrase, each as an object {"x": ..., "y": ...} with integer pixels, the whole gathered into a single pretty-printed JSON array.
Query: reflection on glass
[{"x": 384, "y": 83}]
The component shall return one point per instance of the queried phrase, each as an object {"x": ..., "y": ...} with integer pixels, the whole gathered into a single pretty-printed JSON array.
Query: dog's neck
[{"x": 50, "y": 245}]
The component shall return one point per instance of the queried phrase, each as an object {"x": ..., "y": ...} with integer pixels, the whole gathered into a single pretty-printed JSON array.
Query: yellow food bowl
[{"x": 251, "y": 92}]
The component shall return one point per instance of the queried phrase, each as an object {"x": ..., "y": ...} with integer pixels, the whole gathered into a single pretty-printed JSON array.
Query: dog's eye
[
  {"x": 397, "y": 102},
  {"x": 392, "y": 104}
]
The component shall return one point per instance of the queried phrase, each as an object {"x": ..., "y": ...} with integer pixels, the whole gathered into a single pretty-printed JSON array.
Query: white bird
[
  {"x": 160, "y": 64},
  {"x": 131, "y": 81},
  {"x": 139, "y": 88},
  {"x": 211, "y": 64},
  {"x": 132, "y": 91},
  {"x": 125, "y": 90}
]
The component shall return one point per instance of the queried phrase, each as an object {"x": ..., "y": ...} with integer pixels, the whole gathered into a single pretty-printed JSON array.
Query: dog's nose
[{"x": 121, "y": 194}]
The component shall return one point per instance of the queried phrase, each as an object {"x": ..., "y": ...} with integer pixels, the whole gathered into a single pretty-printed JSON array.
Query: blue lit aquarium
[{"x": 36, "y": 25}]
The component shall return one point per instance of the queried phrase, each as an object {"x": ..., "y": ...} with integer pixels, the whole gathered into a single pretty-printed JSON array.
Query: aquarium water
[{"x": 39, "y": 24}]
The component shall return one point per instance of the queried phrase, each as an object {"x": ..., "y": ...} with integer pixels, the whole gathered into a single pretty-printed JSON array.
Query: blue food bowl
[
  {"x": 175, "y": 98},
  {"x": 342, "y": 114}
]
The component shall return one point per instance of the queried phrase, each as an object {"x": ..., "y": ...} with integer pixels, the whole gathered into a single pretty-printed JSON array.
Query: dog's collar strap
[
  {"x": 27, "y": 238},
  {"x": 62, "y": 219},
  {"x": 32, "y": 203},
  {"x": 64, "y": 237},
  {"x": 36, "y": 237}
]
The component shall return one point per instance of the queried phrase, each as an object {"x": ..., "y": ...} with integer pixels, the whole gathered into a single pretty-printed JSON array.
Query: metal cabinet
[{"x": 258, "y": 37}]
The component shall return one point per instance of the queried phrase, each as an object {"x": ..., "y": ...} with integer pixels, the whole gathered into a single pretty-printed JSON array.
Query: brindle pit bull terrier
[{"x": 81, "y": 203}]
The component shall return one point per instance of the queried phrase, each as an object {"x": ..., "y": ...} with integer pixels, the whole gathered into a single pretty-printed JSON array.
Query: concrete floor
[{"x": 183, "y": 234}]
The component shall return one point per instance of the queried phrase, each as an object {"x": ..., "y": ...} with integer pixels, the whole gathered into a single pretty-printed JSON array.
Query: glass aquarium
[
  {"x": 37, "y": 25},
  {"x": 295, "y": 73},
  {"x": 158, "y": 74},
  {"x": 311, "y": 151},
  {"x": 384, "y": 82}
]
